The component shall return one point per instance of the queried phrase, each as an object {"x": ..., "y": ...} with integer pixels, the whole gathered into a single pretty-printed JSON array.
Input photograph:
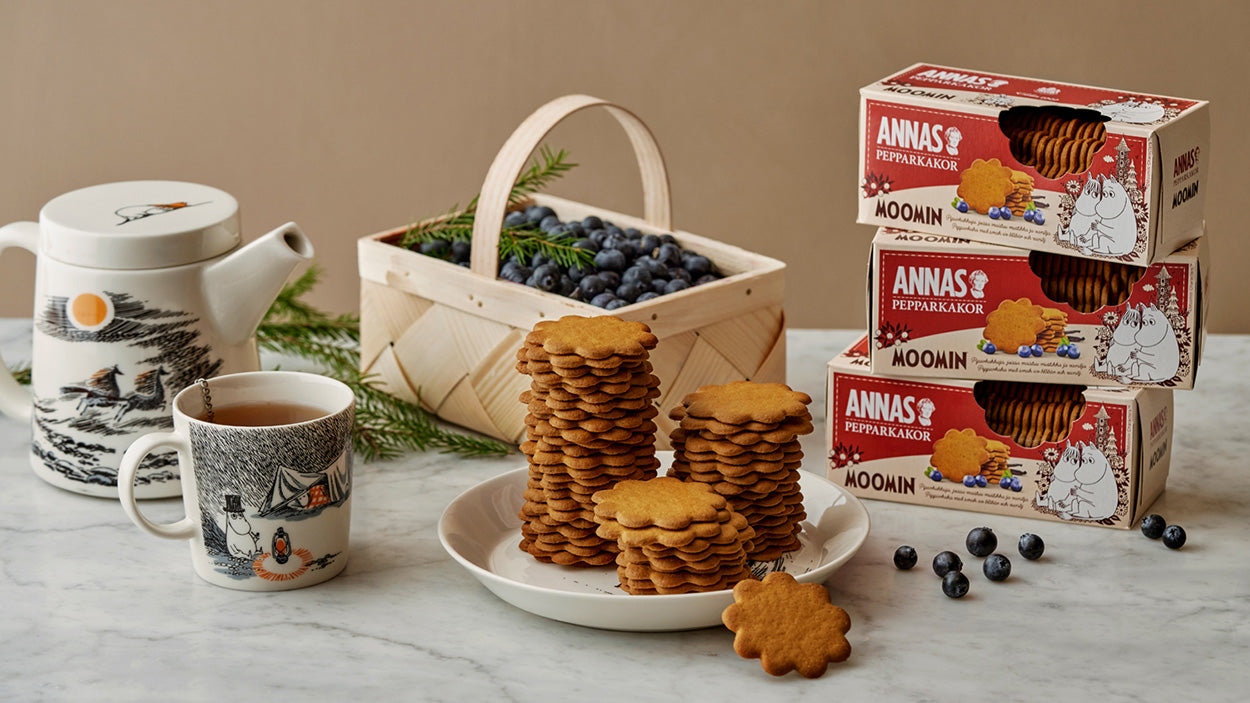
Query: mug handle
[
  {"x": 148, "y": 443},
  {"x": 14, "y": 399}
]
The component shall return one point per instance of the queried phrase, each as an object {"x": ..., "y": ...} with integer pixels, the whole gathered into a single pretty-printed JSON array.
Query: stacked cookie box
[{"x": 1036, "y": 290}]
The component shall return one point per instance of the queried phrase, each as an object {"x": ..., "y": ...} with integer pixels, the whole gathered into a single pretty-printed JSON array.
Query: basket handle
[{"x": 511, "y": 159}]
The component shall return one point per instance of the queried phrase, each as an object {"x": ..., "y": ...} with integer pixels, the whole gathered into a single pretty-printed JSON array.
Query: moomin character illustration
[
  {"x": 1103, "y": 220},
  {"x": 1133, "y": 112},
  {"x": 1083, "y": 486},
  {"x": 1144, "y": 348},
  {"x": 1121, "y": 357},
  {"x": 1058, "y": 496},
  {"x": 241, "y": 540},
  {"x": 1085, "y": 214}
]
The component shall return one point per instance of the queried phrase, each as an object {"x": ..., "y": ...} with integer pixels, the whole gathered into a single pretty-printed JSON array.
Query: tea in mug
[{"x": 263, "y": 414}]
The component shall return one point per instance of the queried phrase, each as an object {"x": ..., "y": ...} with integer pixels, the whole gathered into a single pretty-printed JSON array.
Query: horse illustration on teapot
[{"x": 103, "y": 391}]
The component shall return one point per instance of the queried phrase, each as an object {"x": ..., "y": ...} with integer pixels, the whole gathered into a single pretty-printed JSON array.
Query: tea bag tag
[{"x": 208, "y": 398}]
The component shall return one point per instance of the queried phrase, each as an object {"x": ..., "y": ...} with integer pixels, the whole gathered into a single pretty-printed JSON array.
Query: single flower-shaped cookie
[{"x": 787, "y": 625}]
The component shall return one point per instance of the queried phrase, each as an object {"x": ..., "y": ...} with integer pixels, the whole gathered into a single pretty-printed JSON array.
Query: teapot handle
[{"x": 14, "y": 399}]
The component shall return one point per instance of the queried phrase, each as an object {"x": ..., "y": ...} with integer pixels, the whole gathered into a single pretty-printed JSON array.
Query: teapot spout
[{"x": 241, "y": 286}]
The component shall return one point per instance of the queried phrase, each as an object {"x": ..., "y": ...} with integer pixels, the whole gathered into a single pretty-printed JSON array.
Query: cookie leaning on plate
[{"x": 588, "y": 427}]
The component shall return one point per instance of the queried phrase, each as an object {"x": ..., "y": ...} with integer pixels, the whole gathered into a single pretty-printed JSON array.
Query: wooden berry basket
[{"x": 446, "y": 336}]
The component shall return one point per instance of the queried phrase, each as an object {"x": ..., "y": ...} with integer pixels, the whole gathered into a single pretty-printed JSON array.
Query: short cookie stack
[
  {"x": 996, "y": 466},
  {"x": 588, "y": 427},
  {"x": 741, "y": 438},
  {"x": 674, "y": 536}
]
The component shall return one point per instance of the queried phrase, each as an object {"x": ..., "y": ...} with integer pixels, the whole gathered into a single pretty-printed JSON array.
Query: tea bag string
[{"x": 208, "y": 398}]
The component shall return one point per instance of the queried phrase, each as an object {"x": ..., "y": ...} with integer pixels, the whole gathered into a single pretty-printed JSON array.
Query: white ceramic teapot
[{"x": 141, "y": 288}]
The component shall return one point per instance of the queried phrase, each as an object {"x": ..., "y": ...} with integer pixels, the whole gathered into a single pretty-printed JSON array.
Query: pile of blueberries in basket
[{"x": 629, "y": 266}]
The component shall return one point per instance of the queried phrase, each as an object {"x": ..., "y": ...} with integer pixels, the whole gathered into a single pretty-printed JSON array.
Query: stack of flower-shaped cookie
[
  {"x": 589, "y": 426},
  {"x": 742, "y": 439},
  {"x": 674, "y": 536}
]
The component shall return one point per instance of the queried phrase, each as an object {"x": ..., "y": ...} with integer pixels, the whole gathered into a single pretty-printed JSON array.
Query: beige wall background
[{"x": 353, "y": 117}]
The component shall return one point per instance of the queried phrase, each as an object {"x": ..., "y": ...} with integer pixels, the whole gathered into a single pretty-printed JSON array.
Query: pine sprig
[
  {"x": 522, "y": 242},
  {"x": 21, "y": 373}
]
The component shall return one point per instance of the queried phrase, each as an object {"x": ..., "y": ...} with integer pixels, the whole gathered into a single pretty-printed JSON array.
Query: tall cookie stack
[
  {"x": 589, "y": 426},
  {"x": 741, "y": 438},
  {"x": 674, "y": 536}
]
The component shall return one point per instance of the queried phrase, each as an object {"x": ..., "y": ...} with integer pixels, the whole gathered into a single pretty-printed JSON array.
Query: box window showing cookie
[
  {"x": 947, "y": 307},
  {"x": 1088, "y": 172},
  {"x": 1088, "y": 455}
]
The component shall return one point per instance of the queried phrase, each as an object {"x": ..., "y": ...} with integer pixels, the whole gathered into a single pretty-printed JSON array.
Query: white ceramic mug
[{"x": 268, "y": 507}]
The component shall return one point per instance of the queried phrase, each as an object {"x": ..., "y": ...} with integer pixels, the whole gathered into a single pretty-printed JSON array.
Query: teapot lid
[{"x": 139, "y": 225}]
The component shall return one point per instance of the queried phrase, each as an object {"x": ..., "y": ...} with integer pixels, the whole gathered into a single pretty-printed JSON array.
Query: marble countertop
[{"x": 94, "y": 609}]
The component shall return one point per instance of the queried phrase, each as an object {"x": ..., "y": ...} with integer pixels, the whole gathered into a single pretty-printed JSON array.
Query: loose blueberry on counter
[
  {"x": 969, "y": 481},
  {"x": 1025, "y": 351},
  {"x": 982, "y": 482},
  {"x": 904, "y": 557},
  {"x": 946, "y": 562},
  {"x": 989, "y": 348},
  {"x": 1031, "y": 546},
  {"x": 1036, "y": 350},
  {"x": 955, "y": 584},
  {"x": 996, "y": 567},
  {"x": 1174, "y": 537},
  {"x": 981, "y": 541},
  {"x": 1073, "y": 352},
  {"x": 1152, "y": 526},
  {"x": 995, "y": 213}
]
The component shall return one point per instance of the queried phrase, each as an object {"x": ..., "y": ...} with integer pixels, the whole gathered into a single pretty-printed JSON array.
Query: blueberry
[
  {"x": 628, "y": 248},
  {"x": 577, "y": 273},
  {"x": 678, "y": 273},
  {"x": 515, "y": 275},
  {"x": 996, "y": 567},
  {"x": 989, "y": 348},
  {"x": 586, "y": 243},
  {"x": 538, "y": 213},
  {"x": 437, "y": 248},
  {"x": 935, "y": 475},
  {"x": 590, "y": 286},
  {"x": 1028, "y": 215},
  {"x": 981, "y": 541},
  {"x": 615, "y": 303},
  {"x": 994, "y": 212},
  {"x": 1036, "y": 350},
  {"x": 1005, "y": 213},
  {"x": 548, "y": 222},
  {"x": 1174, "y": 537},
  {"x": 628, "y": 291},
  {"x": 668, "y": 254},
  {"x": 1024, "y": 351},
  {"x": 633, "y": 233},
  {"x": 982, "y": 482},
  {"x": 591, "y": 223},
  {"x": 1039, "y": 218},
  {"x": 610, "y": 259},
  {"x": 667, "y": 239},
  {"x": 637, "y": 274},
  {"x": 658, "y": 286},
  {"x": 696, "y": 264},
  {"x": 546, "y": 277},
  {"x": 946, "y": 562},
  {"x": 598, "y": 236},
  {"x": 1015, "y": 484},
  {"x": 567, "y": 286},
  {"x": 539, "y": 259},
  {"x": 1062, "y": 350},
  {"x": 969, "y": 481},
  {"x": 648, "y": 244},
  {"x": 904, "y": 557},
  {"x": 1031, "y": 546},
  {"x": 649, "y": 295},
  {"x": 516, "y": 218},
  {"x": 1005, "y": 482},
  {"x": 461, "y": 250},
  {"x": 706, "y": 279},
  {"x": 655, "y": 267},
  {"x": 575, "y": 229},
  {"x": 1152, "y": 526},
  {"x": 675, "y": 285},
  {"x": 611, "y": 279},
  {"x": 1073, "y": 352},
  {"x": 601, "y": 300},
  {"x": 955, "y": 585},
  {"x": 962, "y": 206}
]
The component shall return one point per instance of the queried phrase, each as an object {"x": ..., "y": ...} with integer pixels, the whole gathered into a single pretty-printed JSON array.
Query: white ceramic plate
[{"x": 480, "y": 529}]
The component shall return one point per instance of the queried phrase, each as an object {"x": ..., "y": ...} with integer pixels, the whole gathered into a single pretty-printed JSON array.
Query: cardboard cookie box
[
  {"x": 946, "y": 307},
  {"x": 1034, "y": 164},
  {"x": 1096, "y": 456}
]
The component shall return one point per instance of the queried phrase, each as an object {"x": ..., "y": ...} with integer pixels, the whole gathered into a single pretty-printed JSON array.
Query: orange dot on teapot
[{"x": 88, "y": 309}]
